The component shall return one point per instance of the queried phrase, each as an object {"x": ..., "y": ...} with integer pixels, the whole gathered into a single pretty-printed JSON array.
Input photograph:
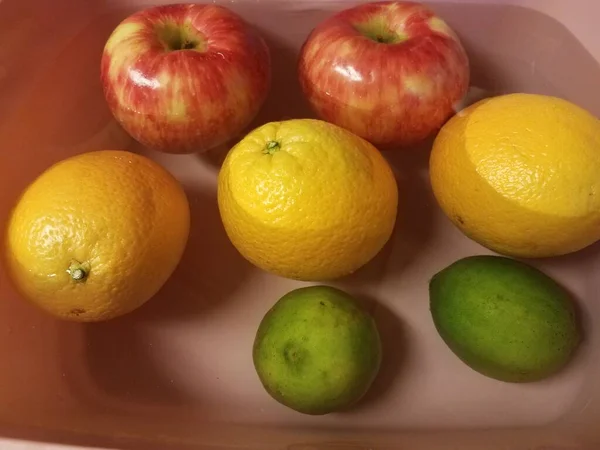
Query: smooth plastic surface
[{"x": 178, "y": 372}]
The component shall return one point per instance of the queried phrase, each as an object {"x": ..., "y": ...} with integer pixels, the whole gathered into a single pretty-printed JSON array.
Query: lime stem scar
[{"x": 77, "y": 271}]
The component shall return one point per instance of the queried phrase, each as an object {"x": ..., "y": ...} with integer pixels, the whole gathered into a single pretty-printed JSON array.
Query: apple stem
[
  {"x": 188, "y": 45},
  {"x": 272, "y": 147},
  {"x": 77, "y": 271},
  {"x": 176, "y": 38}
]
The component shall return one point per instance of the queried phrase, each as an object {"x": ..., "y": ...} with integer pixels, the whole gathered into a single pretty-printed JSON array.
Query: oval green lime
[
  {"x": 504, "y": 318},
  {"x": 317, "y": 351}
]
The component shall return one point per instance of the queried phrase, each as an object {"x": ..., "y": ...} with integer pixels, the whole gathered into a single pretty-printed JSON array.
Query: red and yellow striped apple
[
  {"x": 391, "y": 72},
  {"x": 185, "y": 78}
]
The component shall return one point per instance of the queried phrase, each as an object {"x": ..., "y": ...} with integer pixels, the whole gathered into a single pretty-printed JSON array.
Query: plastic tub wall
[{"x": 178, "y": 372}]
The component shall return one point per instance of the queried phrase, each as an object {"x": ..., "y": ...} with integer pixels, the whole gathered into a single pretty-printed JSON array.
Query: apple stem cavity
[
  {"x": 184, "y": 37},
  {"x": 379, "y": 33},
  {"x": 78, "y": 271},
  {"x": 272, "y": 147}
]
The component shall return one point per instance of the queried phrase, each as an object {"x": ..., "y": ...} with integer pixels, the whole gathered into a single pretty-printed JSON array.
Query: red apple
[
  {"x": 391, "y": 72},
  {"x": 185, "y": 78}
]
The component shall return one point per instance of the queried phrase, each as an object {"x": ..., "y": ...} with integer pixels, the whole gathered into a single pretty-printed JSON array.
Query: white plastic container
[{"x": 178, "y": 372}]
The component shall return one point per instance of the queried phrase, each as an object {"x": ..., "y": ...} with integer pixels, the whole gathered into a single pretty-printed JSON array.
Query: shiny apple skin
[
  {"x": 393, "y": 94},
  {"x": 187, "y": 100}
]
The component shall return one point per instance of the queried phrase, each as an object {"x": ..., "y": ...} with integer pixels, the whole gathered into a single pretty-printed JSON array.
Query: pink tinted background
[{"x": 178, "y": 372}]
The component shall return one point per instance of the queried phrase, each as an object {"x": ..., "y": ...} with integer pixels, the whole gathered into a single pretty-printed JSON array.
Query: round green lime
[{"x": 317, "y": 351}]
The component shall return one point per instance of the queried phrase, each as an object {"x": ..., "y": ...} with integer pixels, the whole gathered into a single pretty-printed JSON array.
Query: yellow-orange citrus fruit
[
  {"x": 306, "y": 199},
  {"x": 520, "y": 174},
  {"x": 96, "y": 235}
]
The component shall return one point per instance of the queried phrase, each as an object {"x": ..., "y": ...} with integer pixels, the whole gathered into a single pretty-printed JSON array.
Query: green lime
[
  {"x": 504, "y": 318},
  {"x": 317, "y": 351}
]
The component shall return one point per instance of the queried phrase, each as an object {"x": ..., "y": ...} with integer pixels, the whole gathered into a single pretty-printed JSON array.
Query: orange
[
  {"x": 96, "y": 235},
  {"x": 306, "y": 199},
  {"x": 520, "y": 174}
]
